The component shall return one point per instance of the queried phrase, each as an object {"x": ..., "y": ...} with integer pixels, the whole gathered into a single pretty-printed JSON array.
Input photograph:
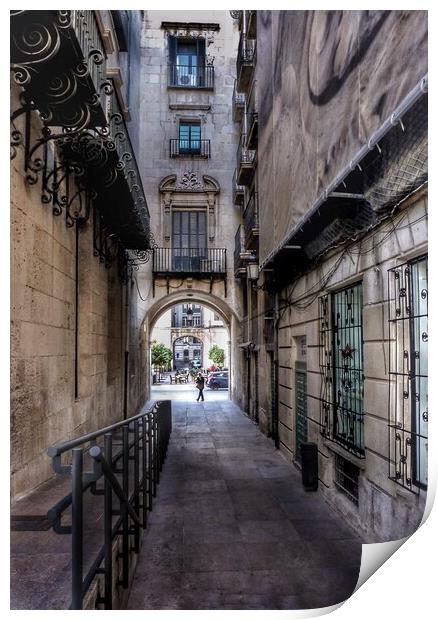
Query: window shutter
[
  {"x": 201, "y": 52},
  {"x": 172, "y": 49}
]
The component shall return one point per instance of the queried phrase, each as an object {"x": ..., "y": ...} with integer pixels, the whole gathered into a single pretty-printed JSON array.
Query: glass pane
[{"x": 419, "y": 363}]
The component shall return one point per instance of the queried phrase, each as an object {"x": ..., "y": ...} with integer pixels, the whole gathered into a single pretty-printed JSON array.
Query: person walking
[{"x": 200, "y": 386}]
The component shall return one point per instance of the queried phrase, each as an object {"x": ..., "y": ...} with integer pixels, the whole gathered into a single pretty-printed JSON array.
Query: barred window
[
  {"x": 347, "y": 478},
  {"x": 341, "y": 364},
  {"x": 408, "y": 408}
]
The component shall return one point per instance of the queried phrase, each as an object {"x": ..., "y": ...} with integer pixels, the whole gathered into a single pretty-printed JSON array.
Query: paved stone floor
[{"x": 232, "y": 527}]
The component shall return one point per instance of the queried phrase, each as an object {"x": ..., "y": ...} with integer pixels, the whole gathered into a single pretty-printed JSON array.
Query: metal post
[
  {"x": 77, "y": 528},
  {"x": 108, "y": 525},
  {"x": 144, "y": 447},
  {"x": 150, "y": 464},
  {"x": 136, "y": 484},
  {"x": 154, "y": 453},
  {"x": 124, "y": 509}
]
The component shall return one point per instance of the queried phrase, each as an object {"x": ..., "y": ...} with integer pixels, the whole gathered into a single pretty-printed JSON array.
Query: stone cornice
[{"x": 190, "y": 26}]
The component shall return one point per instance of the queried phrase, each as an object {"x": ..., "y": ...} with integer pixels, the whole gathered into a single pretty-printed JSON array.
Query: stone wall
[
  {"x": 386, "y": 511},
  {"x": 45, "y": 408}
]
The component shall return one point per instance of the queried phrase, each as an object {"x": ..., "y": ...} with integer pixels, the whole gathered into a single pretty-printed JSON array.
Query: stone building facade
[
  {"x": 205, "y": 326},
  {"x": 77, "y": 354},
  {"x": 188, "y": 142},
  {"x": 340, "y": 293}
]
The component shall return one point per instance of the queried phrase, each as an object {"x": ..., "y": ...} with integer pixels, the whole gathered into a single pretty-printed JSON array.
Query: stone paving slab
[{"x": 232, "y": 527}]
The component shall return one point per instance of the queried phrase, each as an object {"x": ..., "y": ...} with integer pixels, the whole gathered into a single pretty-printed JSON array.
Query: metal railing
[
  {"x": 124, "y": 463},
  {"x": 244, "y": 155},
  {"x": 181, "y": 148},
  {"x": 238, "y": 191},
  {"x": 190, "y": 260},
  {"x": 185, "y": 76},
  {"x": 239, "y": 247},
  {"x": 119, "y": 133},
  {"x": 88, "y": 35},
  {"x": 246, "y": 54},
  {"x": 245, "y": 159},
  {"x": 251, "y": 216},
  {"x": 251, "y": 111},
  {"x": 238, "y": 104}
]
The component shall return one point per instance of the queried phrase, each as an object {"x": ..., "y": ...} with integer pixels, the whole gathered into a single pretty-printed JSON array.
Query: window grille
[
  {"x": 347, "y": 478},
  {"x": 408, "y": 407},
  {"x": 341, "y": 365}
]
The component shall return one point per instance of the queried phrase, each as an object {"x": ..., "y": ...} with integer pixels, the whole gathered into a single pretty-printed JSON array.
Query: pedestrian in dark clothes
[{"x": 200, "y": 386}]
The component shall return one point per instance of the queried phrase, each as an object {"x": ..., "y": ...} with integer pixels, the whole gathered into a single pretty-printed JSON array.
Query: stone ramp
[{"x": 232, "y": 527}]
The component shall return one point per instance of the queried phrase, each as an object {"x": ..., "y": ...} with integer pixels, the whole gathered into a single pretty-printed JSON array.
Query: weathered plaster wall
[{"x": 327, "y": 80}]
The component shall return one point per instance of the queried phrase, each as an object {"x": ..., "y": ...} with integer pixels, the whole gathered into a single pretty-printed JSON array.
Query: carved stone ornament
[{"x": 189, "y": 180}]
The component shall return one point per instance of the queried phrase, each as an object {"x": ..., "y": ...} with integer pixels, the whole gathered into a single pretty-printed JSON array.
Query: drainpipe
[
  {"x": 275, "y": 362},
  {"x": 126, "y": 368}
]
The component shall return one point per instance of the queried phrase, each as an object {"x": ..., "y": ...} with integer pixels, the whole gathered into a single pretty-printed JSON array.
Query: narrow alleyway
[{"x": 232, "y": 527}]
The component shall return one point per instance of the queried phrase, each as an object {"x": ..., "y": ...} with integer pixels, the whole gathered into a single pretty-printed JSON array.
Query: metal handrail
[{"x": 150, "y": 432}]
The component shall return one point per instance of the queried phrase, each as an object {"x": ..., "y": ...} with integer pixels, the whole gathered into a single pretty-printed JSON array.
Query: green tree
[
  {"x": 161, "y": 357},
  {"x": 217, "y": 355}
]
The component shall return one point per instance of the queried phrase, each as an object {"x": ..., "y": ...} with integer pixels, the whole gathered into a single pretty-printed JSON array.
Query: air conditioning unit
[{"x": 187, "y": 79}]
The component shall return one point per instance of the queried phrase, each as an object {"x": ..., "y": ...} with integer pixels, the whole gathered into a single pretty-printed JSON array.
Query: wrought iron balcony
[
  {"x": 238, "y": 191},
  {"x": 252, "y": 118},
  {"x": 184, "y": 148},
  {"x": 246, "y": 162},
  {"x": 238, "y": 104},
  {"x": 239, "y": 247},
  {"x": 251, "y": 222},
  {"x": 251, "y": 24},
  {"x": 209, "y": 261},
  {"x": 58, "y": 58},
  {"x": 185, "y": 76},
  {"x": 106, "y": 163},
  {"x": 246, "y": 62}
]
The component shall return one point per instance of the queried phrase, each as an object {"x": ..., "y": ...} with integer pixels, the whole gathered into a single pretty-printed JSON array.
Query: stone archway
[{"x": 219, "y": 305}]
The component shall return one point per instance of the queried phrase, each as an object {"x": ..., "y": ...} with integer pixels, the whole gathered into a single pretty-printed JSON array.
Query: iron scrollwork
[{"x": 408, "y": 418}]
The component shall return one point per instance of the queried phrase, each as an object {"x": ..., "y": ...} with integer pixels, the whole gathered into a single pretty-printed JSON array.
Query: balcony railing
[
  {"x": 239, "y": 263},
  {"x": 251, "y": 24},
  {"x": 246, "y": 61},
  {"x": 190, "y": 260},
  {"x": 252, "y": 118},
  {"x": 238, "y": 191},
  {"x": 185, "y": 76},
  {"x": 251, "y": 222},
  {"x": 246, "y": 161},
  {"x": 184, "y": 148},
  {"x": 238, "y": 104},
  {"x": 59, "y": 58},
  {"x": 110, "y": 168}
]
